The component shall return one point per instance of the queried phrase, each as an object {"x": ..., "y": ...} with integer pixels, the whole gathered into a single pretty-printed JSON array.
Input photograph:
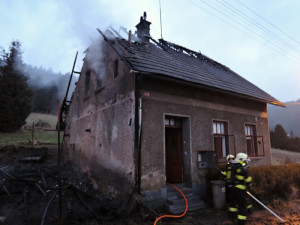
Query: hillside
[
  {"x": 282, "y": 157},
  {"x": 43, "y": 134},
  {"x": 288, "y": 117}
]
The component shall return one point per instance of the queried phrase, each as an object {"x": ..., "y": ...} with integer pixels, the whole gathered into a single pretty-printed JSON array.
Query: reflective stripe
[
  {"x": 240, "y": 186},
  {"x": 231, "y": 209},
  {"x": 240, "y": 177},
  {"x": 224, "y": 173},
  {"x": 241, "y": 217},
  {"x": 238, "y": 170},
  {"x": 249, "y": 179},
  {"x": 228, "y": 175},
  {"x": 249, "y": 206}
]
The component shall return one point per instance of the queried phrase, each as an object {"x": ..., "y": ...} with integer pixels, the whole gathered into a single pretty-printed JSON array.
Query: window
[
  {"x": 87, "y": 83},
  {"x": 171, "y": 121},
  {"x": 116, "y": 68},
  {"x": 100, "y": 74},
  {"x": 251, "y": 140},
  {"x": 220, "y": 138}
]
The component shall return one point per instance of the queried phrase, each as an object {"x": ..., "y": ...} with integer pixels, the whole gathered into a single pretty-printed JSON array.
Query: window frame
[
  {"x": 87, "y": 83},
  {"x": 251, "y": 139},
  {"x": 220, "y": 134}
]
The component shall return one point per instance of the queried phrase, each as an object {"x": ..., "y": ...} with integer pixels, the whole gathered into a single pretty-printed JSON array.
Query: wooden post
[
  {"x": 59, "y": 163},
  {"x": 32, "y": 134}
]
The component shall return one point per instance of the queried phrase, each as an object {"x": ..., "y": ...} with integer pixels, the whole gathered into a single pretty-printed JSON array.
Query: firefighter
[
  {"x": 242, "y": 182},
  {"x": 229, "y": 173}
]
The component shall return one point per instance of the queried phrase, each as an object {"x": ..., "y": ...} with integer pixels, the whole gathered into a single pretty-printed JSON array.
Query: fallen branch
[
  {"x": 89, "y": 208},
  {"x": 41, "y": 190},
  {"x": 6, "y": 173},
  {"x": 46, "y": 209},
  {"x": 5, "y": 189}
]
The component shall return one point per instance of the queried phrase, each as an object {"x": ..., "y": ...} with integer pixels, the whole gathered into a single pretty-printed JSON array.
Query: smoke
[
  {"x": 95, "y": 56},
  {"x": 45, "y": 78},
  {"x": 96, "y": 60}
]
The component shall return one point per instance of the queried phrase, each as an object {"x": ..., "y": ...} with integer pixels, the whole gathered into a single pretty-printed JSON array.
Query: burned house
[{"x": 145, "y": 113}]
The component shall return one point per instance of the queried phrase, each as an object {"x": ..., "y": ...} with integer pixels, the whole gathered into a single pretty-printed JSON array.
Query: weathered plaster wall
[
  {"x": 101, "y": 128},
  {"x": 201, "y": 107}
]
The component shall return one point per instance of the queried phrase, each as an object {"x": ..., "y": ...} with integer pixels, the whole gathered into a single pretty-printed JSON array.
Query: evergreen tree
[
  {"x": 15, "y": 94},
  {"x": 45, "y": 99},
  {"x": 279, "y": 138}
]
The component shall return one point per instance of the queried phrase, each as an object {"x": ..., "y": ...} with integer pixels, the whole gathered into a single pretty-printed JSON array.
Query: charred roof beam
[{"x": 114, "y": 48}]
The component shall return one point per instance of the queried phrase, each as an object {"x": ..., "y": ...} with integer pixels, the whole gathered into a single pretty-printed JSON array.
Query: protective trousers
[
  {"x": 231, "y": 203},
  {"x": 241, "y": 198}
]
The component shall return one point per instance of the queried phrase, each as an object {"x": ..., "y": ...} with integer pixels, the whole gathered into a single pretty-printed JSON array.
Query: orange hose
[{"x": 175, "y": 216}]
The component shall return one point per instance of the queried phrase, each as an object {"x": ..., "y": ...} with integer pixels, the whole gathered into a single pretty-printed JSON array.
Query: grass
[
  {"x": 284, "y": 157},
  {"x": 23, "y": 137}
]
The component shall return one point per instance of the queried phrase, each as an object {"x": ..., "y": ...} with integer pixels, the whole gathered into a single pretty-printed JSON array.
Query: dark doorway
[{"x": 174, "y": 155}]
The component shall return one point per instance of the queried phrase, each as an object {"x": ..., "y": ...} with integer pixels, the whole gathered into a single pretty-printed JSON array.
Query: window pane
[
  {"x": 222, "y": 128},
  {"x": 178, "y": 122},
  {"x": 172, "y": 121},
  {"x": 167, "y": 121},
  {"x": 214, "y": 128},
  {"x": 249, "y": 129},
  {"x": 223, "y": 147},
  {"x": 101, "y": 73}
]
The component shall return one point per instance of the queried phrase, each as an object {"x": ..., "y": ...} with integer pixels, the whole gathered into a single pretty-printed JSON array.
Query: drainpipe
[
  {"x": 138, "y": 128},
  {"x": 139, "y": 143}
]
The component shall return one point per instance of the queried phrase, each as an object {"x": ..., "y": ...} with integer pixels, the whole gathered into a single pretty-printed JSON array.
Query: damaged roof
[{"x": 176, "y": 62}]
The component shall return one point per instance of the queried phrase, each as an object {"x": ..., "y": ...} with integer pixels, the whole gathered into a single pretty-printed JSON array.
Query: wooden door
[{"x": 174, "y": 155}]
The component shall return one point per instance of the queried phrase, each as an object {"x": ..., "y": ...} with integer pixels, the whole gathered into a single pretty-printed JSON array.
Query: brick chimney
[{"x": 143, "y": 29}]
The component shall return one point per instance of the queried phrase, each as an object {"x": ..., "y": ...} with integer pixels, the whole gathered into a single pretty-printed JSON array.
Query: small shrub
[
  {"x": 273, "y": 182},
  {"x": 41, "y": 123}
]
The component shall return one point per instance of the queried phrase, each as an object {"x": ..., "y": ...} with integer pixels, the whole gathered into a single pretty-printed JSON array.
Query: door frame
[{"x": 186, "y": 146}]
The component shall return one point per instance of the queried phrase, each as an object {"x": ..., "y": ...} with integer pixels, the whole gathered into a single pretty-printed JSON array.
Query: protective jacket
[
  {"x": 230, "y": 173},
  {"x": 242, "y": 178}
]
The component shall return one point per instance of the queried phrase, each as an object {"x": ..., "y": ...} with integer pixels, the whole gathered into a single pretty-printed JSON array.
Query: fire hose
[
  {"x": 264, "y": 206},
  {"x": 175, "y": 216}
]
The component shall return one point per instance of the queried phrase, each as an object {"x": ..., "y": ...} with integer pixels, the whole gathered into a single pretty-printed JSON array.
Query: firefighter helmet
[
  {"x": 229, "y": 157},
  {"x": 242, "y": 156}
]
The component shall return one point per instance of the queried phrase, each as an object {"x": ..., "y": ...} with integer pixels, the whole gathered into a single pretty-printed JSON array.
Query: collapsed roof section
[{"x": 165, "y": 59}]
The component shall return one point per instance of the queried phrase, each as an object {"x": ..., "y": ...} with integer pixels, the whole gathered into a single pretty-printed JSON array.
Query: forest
[{"x": 25, "y": 89}]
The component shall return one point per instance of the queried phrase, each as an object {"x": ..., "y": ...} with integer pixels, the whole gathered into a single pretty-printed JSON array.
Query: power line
[
  {"x": 251, "y": 30},
  {"x": 269, "y": 23},
  {"x": 245, "y": 17},
  {"x": 278, "y": 48}
]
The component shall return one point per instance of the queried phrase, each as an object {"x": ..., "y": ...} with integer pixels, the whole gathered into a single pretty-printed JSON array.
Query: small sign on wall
[{"x": 205, "y": 159}]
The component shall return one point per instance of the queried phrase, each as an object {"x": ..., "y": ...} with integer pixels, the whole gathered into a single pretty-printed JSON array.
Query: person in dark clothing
[
  {"x": 242, "y": 181},
  {"x": 229, "y": 173}
]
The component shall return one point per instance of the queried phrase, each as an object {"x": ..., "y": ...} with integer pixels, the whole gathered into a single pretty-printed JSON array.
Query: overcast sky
[{"x": 258, "y": 39}]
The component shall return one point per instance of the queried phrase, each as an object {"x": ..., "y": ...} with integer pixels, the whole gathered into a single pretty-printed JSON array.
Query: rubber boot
[{"x": 241, "y": 222}]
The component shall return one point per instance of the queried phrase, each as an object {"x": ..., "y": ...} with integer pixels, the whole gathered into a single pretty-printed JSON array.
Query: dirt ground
[{"x": 30, "y": 194}]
